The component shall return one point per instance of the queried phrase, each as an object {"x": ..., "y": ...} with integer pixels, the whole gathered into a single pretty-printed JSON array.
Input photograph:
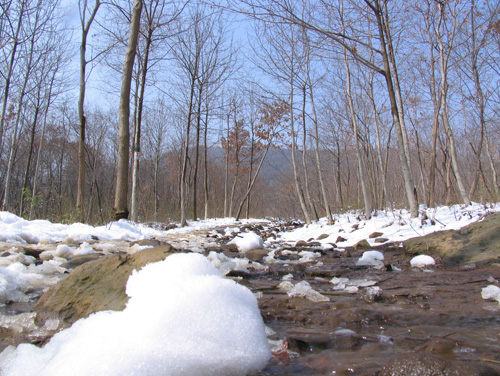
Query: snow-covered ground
[
  {"x": 231, "y": 334},
  {"x": 395, "y": 225}
]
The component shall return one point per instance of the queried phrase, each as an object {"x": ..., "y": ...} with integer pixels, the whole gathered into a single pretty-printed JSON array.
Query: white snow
[
  {"x": 16, "y": 229},
  {"x": 183, "y": 318},
  {"x": 395, "y": 225},
  {"x": 371, "y": 258},
  {"x": 421, "y": 261},
  {"x": 491, "y": 292},
  {"x": 247, "y": 241},
  {"x": 350, "y": 286},
  {"x": 18, "y": 280},
  {"x": 303, "y": 290}
]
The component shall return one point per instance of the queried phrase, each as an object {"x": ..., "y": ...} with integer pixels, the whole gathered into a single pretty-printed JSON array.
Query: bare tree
[
  {"x": 16, "y": 37},
  {"x": 158, "y": 16},
  {"x": 444, "y": 55},
  {"x": 285, "y": 12},
  {"x": 85, "y": 27},
  {"x": 121, "y": 194}
]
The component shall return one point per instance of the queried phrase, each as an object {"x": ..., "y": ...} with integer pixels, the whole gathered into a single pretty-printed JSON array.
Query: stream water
[{"x": 358, "y": 319}]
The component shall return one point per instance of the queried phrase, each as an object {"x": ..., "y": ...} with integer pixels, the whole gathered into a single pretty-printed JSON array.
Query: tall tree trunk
[
  {"x": 494, "y": 175},
  {"x": 205, "y": 161},
  {"x": 252, "y": 182},
  {"x": 137, "y": 130},
  {"x": 359, "y": 155},
  {"x": 185, "y": 157},
  {"x": 197, "y": 153},
  {"x": 310, "y": 202},
  {"x": 20, "y": 103},
  {"x": 384, "y": 200},
  {"x": 30, "y": 156},
  {"x": 80, "y": 196},
  {"x": 405, "y": 163},
  {"x": 8, "y": 76},
  {"x": 396, "y": 85},
  {"x": 226, "y": 173},
  {"x": 121, "y": 194},
  {"x": 443, "y": 60},
  {"x": 40, "y": 145},
  {"x": 324, "y": 195},
  {"x": 298, "y": 187},
  {"x": 479, "y": 99}
]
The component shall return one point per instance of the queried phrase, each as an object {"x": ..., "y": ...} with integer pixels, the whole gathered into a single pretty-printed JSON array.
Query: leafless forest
[{"x": 154, "y": 110}]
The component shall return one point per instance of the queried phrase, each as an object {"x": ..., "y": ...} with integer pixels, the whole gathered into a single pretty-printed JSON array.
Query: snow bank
[
  {"x": 16, "y": 229},
  {"x": 182, "y": 318},
  {"x": 396, "y": 225},
  {"x": 247, "y": 241}
]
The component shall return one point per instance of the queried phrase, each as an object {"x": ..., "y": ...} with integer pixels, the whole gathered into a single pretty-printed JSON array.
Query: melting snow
[
  {"x": 303, "y": 290},
  {"x": 421, "y": 261},
  {"x": 247, "y": 241},
  {"x": 182, "y": 316},
  {"x": 491, "y": 292}
]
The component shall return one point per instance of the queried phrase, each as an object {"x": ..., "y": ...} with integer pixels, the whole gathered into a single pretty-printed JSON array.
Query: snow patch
[
  {"x": 183, "y": 318},
  {"x": 491, "y": 292},
  {"x": 371, "y": 258},
  {"x": 303, "y": 290},
  {"x": 247, "y": 241},
  {"x": 421, "y": 261}
]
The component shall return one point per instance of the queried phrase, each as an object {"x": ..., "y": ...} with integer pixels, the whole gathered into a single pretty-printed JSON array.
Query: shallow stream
[{"x": 353, "y": 320}]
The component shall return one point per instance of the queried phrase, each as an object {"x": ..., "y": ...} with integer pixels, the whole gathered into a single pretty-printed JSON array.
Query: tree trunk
[
  {"x": 22, "y": 93},
  {"x": 405, "y": 163},
  {"x": 298, "y": 187},
  {"x": 8, "y": 76},
  {"x": 384, "y": 200},
  {"x": 121, "y": 194},
  {"x": 479, "y": 99},
  {"x": 304, "y": 157},
  {"x": 226, "y": 174},
  {"x": 205, "y": 161},
  {"x": 359, "y": 155},
  {"x": 197, "y": 154},
  {"x": 40, "y": 145},
  {"x": 137, "y": 133},
  {"x": 80, "y": 197}
]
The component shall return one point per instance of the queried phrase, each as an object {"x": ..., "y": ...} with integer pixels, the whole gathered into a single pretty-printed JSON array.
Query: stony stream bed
[{"x": 391, "y": 320}]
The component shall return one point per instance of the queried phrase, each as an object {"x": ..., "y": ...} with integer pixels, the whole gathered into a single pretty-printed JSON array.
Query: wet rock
[
  {"x": 375, "y": 234},
  {"x": 148, "y": 243},
  {"x": 80, "y": 260},
  {"x": 94, "y": 286},
  {"x": 32, "y": 252},
  {"x": 429, "y": 365},
  {"x": 340, "y": 239},
  {"x": 301, "y": 243},
  {"x": 230, "y": 247},
  {"x": 322, "y": 236},
  {"x": 363, "y": 244},
  {"x": 256, "y": 254},
  {"x": 381, "y": 240}
]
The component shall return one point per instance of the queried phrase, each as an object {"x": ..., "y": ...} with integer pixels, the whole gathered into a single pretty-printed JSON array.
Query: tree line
[{"x": 155, "y": 110}]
